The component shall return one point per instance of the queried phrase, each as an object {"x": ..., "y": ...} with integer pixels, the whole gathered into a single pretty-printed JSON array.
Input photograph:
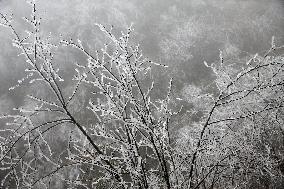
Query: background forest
[{"x": 202, "y": 107}]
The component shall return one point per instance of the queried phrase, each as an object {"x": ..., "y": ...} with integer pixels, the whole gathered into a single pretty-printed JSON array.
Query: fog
[
  {"x": 179, "y": 33},
  {"x": 187, "y": 36}
]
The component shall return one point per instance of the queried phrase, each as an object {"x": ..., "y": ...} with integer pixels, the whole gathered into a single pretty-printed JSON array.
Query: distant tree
[{"x": 103, "y": 129}]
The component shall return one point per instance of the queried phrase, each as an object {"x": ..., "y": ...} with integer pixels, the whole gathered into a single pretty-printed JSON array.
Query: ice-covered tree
[{"x": 104, "y": 128}]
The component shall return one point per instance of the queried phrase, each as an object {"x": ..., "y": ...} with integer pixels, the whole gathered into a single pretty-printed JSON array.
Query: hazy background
[{"x": 179, "y": 33}]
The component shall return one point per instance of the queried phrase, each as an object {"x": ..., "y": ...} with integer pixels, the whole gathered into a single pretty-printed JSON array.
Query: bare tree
[
  {"x": 126, "y": 146},
  {"x": 122, "y": 137},
  {"x": 241, "y": 133}
]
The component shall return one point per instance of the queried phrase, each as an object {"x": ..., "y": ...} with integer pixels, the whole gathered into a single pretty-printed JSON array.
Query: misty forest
[{"x": 158, "y": 94}]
